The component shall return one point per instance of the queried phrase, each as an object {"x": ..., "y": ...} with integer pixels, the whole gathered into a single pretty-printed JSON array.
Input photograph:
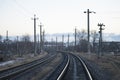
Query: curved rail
[
  {"x": 15, "y": 72},
  {"x": 86, "y": 68},
  {"x": 59, "y": 70},
  {"x": 63, "y": 71}
]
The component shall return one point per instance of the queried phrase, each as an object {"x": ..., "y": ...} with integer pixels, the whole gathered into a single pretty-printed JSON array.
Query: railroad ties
[{"x": 57, "y": 66}]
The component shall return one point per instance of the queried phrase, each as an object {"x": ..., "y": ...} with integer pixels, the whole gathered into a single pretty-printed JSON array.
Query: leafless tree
[
  {"x": 0, "y": 38},
  {"x": 82, "y": 41},
  {"x": 94, "y": 36},
  {"x": 81, "y": 35},
  {"x": 25, "y": 38},
  {"x": 25, "y": 45}
]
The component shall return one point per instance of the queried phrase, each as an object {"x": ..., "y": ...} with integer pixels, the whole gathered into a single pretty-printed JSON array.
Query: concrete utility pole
[
  {"x": 100, "y": 38},
  {"x": 41, "y": 44},
  {"x": 7, "y": 36},
  {"x": 88, "y": 22},
  {"x": 7, "y": 43},
  {"x": 43, "y": 39},
  {"x": 68, "y": 41},
  {"x": 56, "y": 44},
  {"x": 17, "y": 46},
  {"x": 38, "y": 45},
  {"x": 75, "y": 37},
  {"x": 35, "y": 46}
]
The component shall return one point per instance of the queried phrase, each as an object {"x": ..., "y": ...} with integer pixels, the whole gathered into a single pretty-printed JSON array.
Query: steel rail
[
  {"x": 59, "y": 70},
  {"x": 64, "y": 70},
  {"x": 26, "y": 64},
  {"x": 89, "y": 75},
  {"x": 6, "y": 76},
  {"x": 86, "y": 68}
]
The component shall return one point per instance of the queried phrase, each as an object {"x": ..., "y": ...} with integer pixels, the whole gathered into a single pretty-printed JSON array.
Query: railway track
[
  {"x": 60, "y": 70},
  {"x": 65, "y": 66},
  {"x": 14, "y": 71},
  {"x": 74, "y": 69},
  {"x": 77, "y": 69}
]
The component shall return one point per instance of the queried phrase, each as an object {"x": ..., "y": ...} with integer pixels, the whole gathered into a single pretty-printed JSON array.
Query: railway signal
[{"x": 100, "y": 38}]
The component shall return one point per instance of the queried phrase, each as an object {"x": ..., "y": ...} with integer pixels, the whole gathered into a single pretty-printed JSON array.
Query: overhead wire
[{"x": 24, "y": 10}]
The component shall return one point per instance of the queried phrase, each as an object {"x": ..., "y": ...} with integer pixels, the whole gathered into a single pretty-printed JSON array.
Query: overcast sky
[{"x": 58, "y": 16}]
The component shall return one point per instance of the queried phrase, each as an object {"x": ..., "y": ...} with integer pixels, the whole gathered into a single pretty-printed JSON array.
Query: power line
[{"x": 27, "y": 12}]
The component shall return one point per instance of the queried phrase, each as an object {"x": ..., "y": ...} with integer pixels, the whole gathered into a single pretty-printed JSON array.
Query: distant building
[{"x": 109, "y": 46}]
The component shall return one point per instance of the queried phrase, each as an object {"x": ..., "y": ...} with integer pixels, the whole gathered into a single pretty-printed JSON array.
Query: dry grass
[{"x": 107, "y": 62}]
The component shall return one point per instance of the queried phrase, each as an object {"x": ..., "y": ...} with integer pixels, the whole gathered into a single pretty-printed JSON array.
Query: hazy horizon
[
  {"x": 52, "y": 37},
  {"x": 58, "y": 16}
]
